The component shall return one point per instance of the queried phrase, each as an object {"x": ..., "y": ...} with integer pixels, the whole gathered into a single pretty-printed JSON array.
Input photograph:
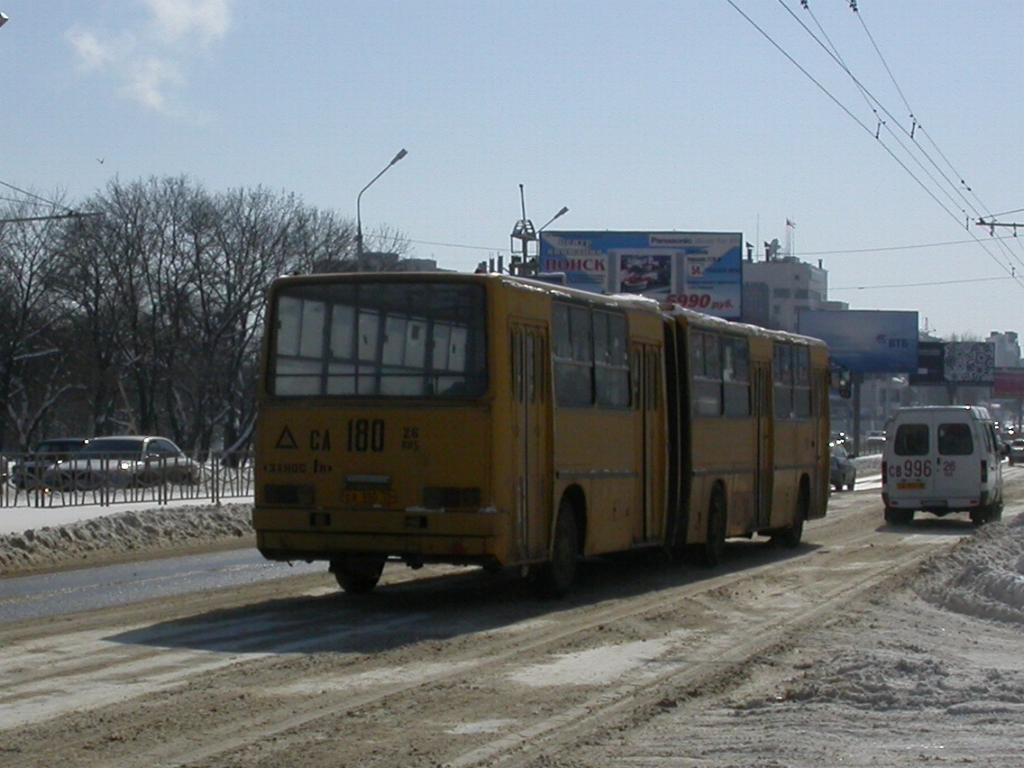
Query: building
[
  {"x": 1007, "y": 348},
  {"x": 777, "y": 290}
]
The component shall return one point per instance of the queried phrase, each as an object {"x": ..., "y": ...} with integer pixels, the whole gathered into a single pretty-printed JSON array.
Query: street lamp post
[
  {"x": 565, "y": 210},
  {"x": 359, "y": 219}
]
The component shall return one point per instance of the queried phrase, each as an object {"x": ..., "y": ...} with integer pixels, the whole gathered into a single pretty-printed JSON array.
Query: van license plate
[
  {"x": 935, "y": 502},
  {"x": 910, "y": 486}
]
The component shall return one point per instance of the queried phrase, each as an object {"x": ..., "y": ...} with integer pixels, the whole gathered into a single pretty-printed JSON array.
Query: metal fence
[{"x": 26, "y": 480}]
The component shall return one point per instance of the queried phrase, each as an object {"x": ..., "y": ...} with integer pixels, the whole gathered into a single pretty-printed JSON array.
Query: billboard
[
  {"x": 865, "y": 341},
  {"x": 699, "y": 270},
  {"x": 969, "y": 362},
  {"x": 930, "y": 368},
  {"x": 1008, "y": 382}
]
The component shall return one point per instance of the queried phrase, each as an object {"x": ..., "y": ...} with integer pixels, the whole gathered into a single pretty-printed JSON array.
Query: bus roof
[{"x": 632, "y": 301}]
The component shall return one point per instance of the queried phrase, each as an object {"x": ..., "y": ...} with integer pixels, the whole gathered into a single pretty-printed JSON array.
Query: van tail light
[
  {"x": 984, "y": 470},
  {"x": 884, "y": 473}
]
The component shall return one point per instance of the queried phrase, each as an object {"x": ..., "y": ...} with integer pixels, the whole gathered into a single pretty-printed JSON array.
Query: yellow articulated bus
[{"x": 492, "y": 420}]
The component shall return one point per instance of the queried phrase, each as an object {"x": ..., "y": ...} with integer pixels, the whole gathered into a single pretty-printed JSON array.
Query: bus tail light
[
  {"x": 984, "y": 470},
  {"x": 885, "y": 474}
]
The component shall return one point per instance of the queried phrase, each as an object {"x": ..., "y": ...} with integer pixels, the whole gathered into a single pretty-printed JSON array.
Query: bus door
[
  {"x": 765, "y": 473},
  {"x": 529, "y": 353},
  {"x": 647, "y": 362}
]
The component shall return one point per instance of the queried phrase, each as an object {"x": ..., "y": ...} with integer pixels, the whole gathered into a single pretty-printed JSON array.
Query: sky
[{"x": 641, "y": 115}]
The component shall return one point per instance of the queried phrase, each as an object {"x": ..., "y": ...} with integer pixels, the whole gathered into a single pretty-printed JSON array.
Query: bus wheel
[
  {"x": 357, "y": 575},
  {"x": 556, "y": 576},
  {"x": 790, "y": 537},
  {"x": 709, "y": 554}
]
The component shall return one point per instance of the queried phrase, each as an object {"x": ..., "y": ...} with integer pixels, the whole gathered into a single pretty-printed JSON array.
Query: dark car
[
  {"x": 844, "y": 471},
  {"x": 124, "y": 461},
  {"x": 31, "y": 470},
  {"x": 1016, "y": 450}
]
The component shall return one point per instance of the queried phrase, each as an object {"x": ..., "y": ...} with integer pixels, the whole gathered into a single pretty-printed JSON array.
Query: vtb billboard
[
  {"x": 698, "y": 270},
  {"x": 865, "y": 340}
]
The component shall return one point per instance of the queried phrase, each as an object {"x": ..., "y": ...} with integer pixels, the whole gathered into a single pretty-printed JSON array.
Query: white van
[{"x": 942, "y": 459}]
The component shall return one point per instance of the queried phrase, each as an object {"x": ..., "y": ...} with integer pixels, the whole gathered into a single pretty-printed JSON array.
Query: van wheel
[
  {"x": 850, "y": 486},
  {"x": 895, "y": 516},
  {"x": 357, "y": 575},
  {"x": 556, "y": 576},
  {"x": 709, "y": 554}
]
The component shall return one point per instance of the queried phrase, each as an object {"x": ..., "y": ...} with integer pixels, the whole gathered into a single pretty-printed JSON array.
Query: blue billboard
[
  {"x": 865, "y": 340},
  {"x": 697, "y": 270}
]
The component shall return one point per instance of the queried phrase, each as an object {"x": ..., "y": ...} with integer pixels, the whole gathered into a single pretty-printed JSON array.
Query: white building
[
  {"x": 1007, "y": 349},
  {"x": 776, "y": 291}
]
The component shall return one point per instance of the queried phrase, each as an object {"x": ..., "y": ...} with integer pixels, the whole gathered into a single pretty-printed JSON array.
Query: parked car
[
  {"x": 1016, "y": 450},
  {"x": 30, "y": 471},
  {"x": 844, "y": 471},
  {"x": 124, "y": 461}
]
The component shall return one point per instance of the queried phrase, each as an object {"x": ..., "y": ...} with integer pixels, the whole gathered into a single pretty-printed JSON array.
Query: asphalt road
[{"x": 57, "y": 594}]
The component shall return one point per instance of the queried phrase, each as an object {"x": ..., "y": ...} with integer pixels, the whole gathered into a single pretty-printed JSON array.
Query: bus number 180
[{"x": 365, "y": 435}]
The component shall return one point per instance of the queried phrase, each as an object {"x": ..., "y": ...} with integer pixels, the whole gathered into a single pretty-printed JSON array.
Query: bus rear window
[{"x": 389, "y": 339}]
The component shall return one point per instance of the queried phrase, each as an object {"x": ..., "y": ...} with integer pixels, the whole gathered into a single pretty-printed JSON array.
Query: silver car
[
  {"x": 29, "y": 471},
  {"x": 1016, "y": 452},
  {"x": 124, "y": 461}
]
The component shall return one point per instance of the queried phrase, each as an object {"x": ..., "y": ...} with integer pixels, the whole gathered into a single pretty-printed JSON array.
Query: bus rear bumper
[{"x": 455, "y": 537}]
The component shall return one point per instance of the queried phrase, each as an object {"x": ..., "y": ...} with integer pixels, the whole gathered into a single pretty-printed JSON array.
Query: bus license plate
[{"x": 369, "y": 499}]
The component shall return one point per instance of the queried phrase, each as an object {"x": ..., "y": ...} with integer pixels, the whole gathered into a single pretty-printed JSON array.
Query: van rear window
[
  {"x": 955, "y": 440},
  {"x": 911, "y": 440}
]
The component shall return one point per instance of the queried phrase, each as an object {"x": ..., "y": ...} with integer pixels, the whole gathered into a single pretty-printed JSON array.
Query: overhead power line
[
  {"x": 918, "y": 285},
  {"x": 898, "y": 247},
  {"x": 34, "y": 195},
  {"x": 1005, "y": 267},
  {"x": 71, "y": 215}
]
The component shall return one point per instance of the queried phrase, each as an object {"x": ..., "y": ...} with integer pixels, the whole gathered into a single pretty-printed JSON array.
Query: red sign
[{"x": 1008, "y": 382}]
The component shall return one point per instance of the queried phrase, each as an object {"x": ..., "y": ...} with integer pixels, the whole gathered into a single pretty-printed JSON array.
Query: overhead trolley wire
[
  {"x": 917, "y": 124},
  {"x": 37, "y": 197},
  {"x": 1005, "y": 267},
  {"x": 869, "y": 98},
  {"x": 918, "y": 285}
]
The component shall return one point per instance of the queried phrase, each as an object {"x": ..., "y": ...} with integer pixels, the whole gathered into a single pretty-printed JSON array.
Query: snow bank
[
  {"x": 122, "y": 532},
  {"x": 983, "y": 576}
]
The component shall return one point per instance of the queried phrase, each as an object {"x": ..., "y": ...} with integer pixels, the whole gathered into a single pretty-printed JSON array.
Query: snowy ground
[
  {"x": 100, "y": 534},
  {"x": 929, "y": 674}
]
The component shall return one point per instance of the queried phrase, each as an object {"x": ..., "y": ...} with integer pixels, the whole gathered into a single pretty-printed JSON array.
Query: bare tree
[{"x": 29, "y": 316}]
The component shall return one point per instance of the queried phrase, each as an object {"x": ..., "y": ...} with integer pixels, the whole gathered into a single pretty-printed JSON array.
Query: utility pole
[
  {"x": 526, "y": 234},
  {"x": 991, "y": 225}
]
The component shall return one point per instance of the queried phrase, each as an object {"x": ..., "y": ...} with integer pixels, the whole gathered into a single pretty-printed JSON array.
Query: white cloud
[
  {"x": 92, "y": 52},
  {"x": 149, "y": 64},
  {"x": 207, "y": 20},
  {"x": 148, "y": 81}
]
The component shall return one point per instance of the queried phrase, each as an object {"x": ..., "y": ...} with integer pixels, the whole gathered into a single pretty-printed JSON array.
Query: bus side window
[
  {"x": 574, "y": 355},
  {"x": 735, "y": 377},
  {"x": 706, "y": 362},
  {"x": 801, "y": 382},
  {"x": 783, "y": 377}
]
